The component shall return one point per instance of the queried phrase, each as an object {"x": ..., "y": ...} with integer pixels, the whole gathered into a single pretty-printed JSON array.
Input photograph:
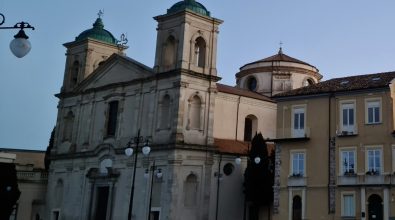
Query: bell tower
[
  {"x": 187, "y": 39},
  {"x": 89, "y": 50}
]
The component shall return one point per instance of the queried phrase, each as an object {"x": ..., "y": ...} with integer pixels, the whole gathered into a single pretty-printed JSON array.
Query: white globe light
[
  {"x": 129, "y": 151},
  {"x": 159, "y": 174},
  {"x": 20, "y": 47},
  {"x": 146, "y": 150},
  {"x": 146, "y": 174},
  {"x": 257, "y": 160},
  {"x": 238, "y": 160}
]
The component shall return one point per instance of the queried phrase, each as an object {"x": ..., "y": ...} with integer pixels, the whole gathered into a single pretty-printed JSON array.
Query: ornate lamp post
[
  {"x": 20, "y": 46},
  {"x": 155, "y": 172},
  {"x": 129, "y": 152}
]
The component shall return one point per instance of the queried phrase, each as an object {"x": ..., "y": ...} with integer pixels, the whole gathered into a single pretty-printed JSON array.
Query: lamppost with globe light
[
  {"x": 129, "y": 152},
  {"x": 20, "y": 46},
  {"x": 155, "y": 172},
  {"x": 257, "y": 160}
]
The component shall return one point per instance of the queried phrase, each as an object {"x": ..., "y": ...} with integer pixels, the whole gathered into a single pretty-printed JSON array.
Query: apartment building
[{"x": 334, "y": 150}]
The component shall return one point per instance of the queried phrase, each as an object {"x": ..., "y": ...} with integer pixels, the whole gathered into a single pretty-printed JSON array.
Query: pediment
[{"x": 117, "y": 69}]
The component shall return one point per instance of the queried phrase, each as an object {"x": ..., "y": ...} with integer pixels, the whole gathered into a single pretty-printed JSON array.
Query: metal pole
[
  {"x": 218, "y": 176},
  {"x": 134, "y": 175},
  {"x": 150, "y": 194}
]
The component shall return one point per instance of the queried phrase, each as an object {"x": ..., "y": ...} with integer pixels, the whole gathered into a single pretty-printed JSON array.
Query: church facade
[{"x": 195, "y": 126}]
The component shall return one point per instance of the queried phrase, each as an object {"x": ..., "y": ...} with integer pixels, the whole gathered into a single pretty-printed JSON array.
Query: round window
[
  {"x": 228, "y": 169},
  {"x": 252, "y": 83}
]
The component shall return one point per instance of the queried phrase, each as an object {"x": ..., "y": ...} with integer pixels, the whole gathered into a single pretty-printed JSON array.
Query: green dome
[
  {"x": 189, "y": 4},
  {"x": 98, "y": 33}
]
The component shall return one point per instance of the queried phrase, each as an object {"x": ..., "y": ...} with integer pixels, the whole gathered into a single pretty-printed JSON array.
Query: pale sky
[{"x": 339, "y": 37}]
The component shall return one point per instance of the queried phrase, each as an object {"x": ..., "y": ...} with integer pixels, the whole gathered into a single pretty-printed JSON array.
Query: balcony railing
[
  {"x": 297, "y": 180},
  {"x": 366, "y": 179},
  {"x": 32, "y": 175},
  {"x": 347, "y": 133},
  {"x": 290, "y": 133}
]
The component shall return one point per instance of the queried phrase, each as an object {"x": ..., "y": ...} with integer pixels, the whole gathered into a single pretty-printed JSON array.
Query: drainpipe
[{"x": 331, "y": 170}]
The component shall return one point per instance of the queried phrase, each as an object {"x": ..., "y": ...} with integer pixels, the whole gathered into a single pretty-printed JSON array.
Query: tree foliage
[
  {"x": 9, "y": 191},
  {"x": 259, "y": 178}
]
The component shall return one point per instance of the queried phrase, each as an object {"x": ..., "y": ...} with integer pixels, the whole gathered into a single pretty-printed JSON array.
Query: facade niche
[
  {"x": 68, "y": 126},
  {"x": 190, "y": 190},
  {"x": 195, "y": 106},
  {"x": 75, "y": 69},
  {"x": 200, "y": 52},
  {"x": 169, "y": 58},
  {"x": 164, "y": 112}
]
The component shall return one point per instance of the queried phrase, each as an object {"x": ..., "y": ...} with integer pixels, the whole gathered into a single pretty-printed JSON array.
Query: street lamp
[
  {"x": 20, "y": 46},
  {"x": 155, "y": 172},
  {"x": 129, "y": 152}
]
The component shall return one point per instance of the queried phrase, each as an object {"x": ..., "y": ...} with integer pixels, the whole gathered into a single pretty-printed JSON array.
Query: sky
[{"x": 339, "y": 37}]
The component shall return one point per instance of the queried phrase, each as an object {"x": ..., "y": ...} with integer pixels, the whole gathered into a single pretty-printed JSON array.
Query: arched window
[
  {"x": 250, "y": 127},
  {"x": 75, "y": 69},
  {"x": 252, "y": 83},
  {"x": 112, "y": 118},
  {"x": 68, "y": 126},
  {"x": 308, "y": 82},
  {"x": 169, "y": 58},
  {"x": 200, "y": 52},
  {"x": 59, "y": 193},
  {"x": 190, "y": 190},
  {"x": 164, "y": 113},
  {"x": 297, "y": 208},
  {"x": 195, "y": 113}
]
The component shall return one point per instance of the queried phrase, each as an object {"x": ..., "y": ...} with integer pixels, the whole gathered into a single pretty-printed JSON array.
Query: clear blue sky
[{"x": 339, "y": 37}]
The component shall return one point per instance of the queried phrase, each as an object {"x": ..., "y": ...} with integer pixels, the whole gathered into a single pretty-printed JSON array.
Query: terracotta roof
[
  {"x": 242, "y": 92},
  {"x": 231, "y": 146},
  {"x": 235, "y": 147},
  {"x": 344, "y": 84},
  {"x": 280, "y": 56}
]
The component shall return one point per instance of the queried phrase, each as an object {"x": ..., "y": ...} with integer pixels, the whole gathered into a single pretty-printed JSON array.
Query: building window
[
  {"x": 374, "y": 161},
  {"x": 154, "y": 215},
  {"x": 252, "y": 83},
  {"x": 348, "y": 162},
  {"x": 308, "y": 82},
  {"x": 112, "y": 118},
  {"x": 169, "y": 57},
  {"x": 200, "y": 52},
  {"x": 298, "y": 164},
  {"x": 373, "y": 110},
  {"x": 195, "y": 105},
  {"x": 348, "y": 117},
  {"x": 250, "y": 127},
  {"x": 348, "y": 205},
  {"x": 298, "y": 121}
]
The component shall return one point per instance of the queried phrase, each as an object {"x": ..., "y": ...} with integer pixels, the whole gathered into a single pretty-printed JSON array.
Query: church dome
[
  {"x": 98, "y": 33},
  {"x": 189, "y": 4}
]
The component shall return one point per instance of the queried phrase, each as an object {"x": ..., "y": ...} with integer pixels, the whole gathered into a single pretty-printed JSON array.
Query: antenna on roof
[
  {"x": 280, "y": 51},
  {"x": 101, "y": 13}
]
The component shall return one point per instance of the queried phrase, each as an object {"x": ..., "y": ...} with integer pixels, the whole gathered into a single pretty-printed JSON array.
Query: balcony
[
  {"x": 365, "y": 179},
  {"x": 297, "y": 180},
  {"x": 32, "y": 176},
  {"x": 347, "y": 133},
  {"x": 290, "y": 134}
]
